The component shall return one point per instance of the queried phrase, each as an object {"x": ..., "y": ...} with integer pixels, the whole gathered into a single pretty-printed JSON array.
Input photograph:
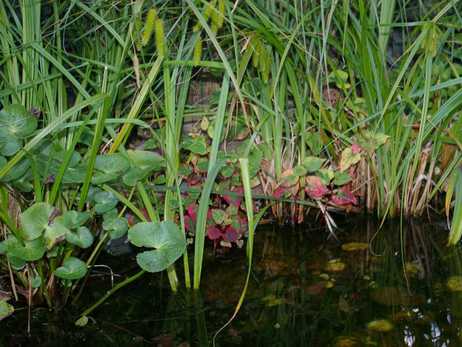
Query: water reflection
[{"x": 393, "y": 287}]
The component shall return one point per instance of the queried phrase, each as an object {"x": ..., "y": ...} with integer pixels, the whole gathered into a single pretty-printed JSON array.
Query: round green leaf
[
  {"x": 117, "y": 226},
  {"x": 108, "y": 167},
  {"x": 17, "y": 121},
  {"x": 167, "y": 239},
  {"x": 72, "y": 269},
  {"x": 134, "y": 175},
  {"x": 105, "y": 201},
  {"x": 313, "y": 164},
  {"x": 341, "y": 178},
  {"x": 17, "y": 172},
  {"x": 27, "y": 251},
  {"x": 82, "y": 238},
  {"x": 16, "y": 263},
  {"x": 196, "y": 145},
  {"x": 9, "y": 144},
  {"x": 73, "y": 219},
  {"x": 34, "y": 220}
]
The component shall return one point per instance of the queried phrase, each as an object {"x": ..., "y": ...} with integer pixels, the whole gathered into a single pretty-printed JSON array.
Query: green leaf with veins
[
  {"x": 72, "y": 269},
  {"x": 34, "y": 220},
  {"x": 167, "y": 239}
]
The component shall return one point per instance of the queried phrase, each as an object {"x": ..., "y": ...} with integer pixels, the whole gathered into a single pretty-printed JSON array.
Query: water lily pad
[
  {"x": 34, "y": 220},
  {"x": 395, "y": 296},
  {"x": 355, "y": 246},
  {"x": 5, "y": 309},
  {"x": 82, "y": 238},
  {"x": 380, "y": 325},
  {"x": 167, "y": 239},
  {"x": 335, "y": 265},
  {"x": 72, "y": 269},
  {"x": 454, "y": 283},
  {"x": 347, "y": 341}
]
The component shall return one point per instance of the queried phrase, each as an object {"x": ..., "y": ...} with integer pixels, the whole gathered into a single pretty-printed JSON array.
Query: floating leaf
[
  {"x": 355, "y": 246},
  {"x": 167, "y": 239},
  {"x": 454, "y": 283},
  {"x": 34, "y": 220},
  {"x": 72, "y": 269},
  {"x": 5, "y": 309},
  {"x": 380, "y": 325},
  {"x": 335, "y": 265},
  {"x": 82, "y": 238}
]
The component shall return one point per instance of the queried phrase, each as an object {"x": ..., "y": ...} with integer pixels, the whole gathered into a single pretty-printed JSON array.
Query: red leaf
[
  {"x": 188, "y": 223},
  {"x": 315, "y": 188},
  {"x": 344, "y": 197},
  {"x": 355, "y": 148},
  {"x": 192, "y": 211},
  {"x": 279, "y": 192},
  {"x": 231, "y": 235},
  {"x": 213, "y": 233}
]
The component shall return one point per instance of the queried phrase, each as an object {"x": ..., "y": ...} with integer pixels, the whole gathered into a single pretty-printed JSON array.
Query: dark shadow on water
[{"x": 398, "y": 287}]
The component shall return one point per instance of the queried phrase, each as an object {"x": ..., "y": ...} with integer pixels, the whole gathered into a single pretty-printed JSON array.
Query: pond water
[{"x": 400, "y": 286}]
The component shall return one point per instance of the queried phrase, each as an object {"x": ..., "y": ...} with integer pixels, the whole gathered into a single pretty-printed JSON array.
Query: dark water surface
[{"x": 402, "y": 289}]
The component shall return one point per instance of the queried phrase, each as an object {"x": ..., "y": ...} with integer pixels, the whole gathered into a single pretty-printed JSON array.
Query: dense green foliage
[{"x": 336, "y": 105}]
